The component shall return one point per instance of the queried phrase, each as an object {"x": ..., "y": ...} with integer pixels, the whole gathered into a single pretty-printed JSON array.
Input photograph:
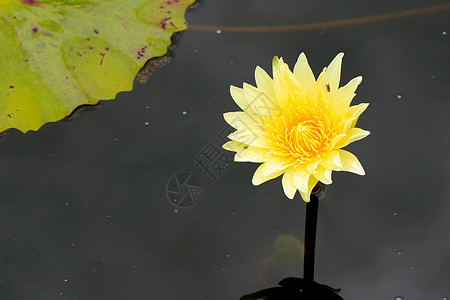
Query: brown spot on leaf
[
  {"x": 163, "y": 22},
  {"x": 31, "y": 2},
  {"x": 96, "y": 31},
  {"x": 103, "y": 56},
  {"x": 11, "y": 86}
]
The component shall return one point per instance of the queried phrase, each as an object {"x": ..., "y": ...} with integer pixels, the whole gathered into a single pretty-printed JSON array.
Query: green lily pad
[{"x": 56, "y": 55}]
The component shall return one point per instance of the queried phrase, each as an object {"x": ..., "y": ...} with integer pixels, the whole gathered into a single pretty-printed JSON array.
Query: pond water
[{"x": 86, "y": 209}]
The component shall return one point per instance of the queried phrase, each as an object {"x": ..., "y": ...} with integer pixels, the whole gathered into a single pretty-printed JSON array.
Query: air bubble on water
[
  {"x": 445, "y": 298},
  {"x": 146, "y": 123},
  {"x": 228, "y": 255},
  {"x": 175, "y": 210},
  {"x": 195, "y": 51},
  {"x": 231, "y": 62},
  {"x": 395, "y": 213},
  {"x": 67, "y": 203},
  {"x": 147, "y": 107},
  {"x": 399, "y": 96},
  {"x": 398, "y": 298},
  {"x": 444, "y": 32},
  {"x": 399, "y": 252},
  {"x": 184, "y": 113},
  {"x": 218, "y": 31},
  {"x": 66, "y": 280}
]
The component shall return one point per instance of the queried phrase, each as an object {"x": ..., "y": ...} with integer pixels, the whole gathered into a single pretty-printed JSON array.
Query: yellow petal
[
  {"x": 251, "y": 154},
  {"x": 244, "y": 120},
  {"x": 312, "y": 165},
  {"x": 260, "y": 103},
  {"x": 288, "y": 183},
  {"x": 319, "y": 90},
  {"x": 303, "y": 72},
  {"x": 347, "y": 91},
  {"x": 311, "y": 184},
  {"x": 264, "y": 82},
  {"x": 333, "y": 72},
  {"x": 356, "y": 110},
  {"x": 238, "y": 96},
  {"x": 337, "y": 139},
  {"x": 249, "y": 137},
  {"x": 340, "y": 100},
  {"x": 332, "y": 161},
  {"x": 301, "y": 178},
  {"x": 285, "y": 87},
  {"x": 323, "y": 175},
  {"x": 350, "y": 163},
  {"x": 353, "y": 135},
  {"x": 234, "y": 146},
  {"x": 353, "y": 114},
  {"x": 269, "y": 170}
]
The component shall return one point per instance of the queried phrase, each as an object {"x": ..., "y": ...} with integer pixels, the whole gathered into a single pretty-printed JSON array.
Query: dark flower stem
[{"x": 312, "y": 208}]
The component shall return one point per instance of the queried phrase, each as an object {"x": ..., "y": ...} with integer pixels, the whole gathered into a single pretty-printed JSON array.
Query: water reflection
[
  {"x": 285, "y": 261},
  {"x": 287, "y": 256}
]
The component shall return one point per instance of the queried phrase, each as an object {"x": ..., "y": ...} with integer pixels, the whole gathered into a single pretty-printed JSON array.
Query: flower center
[{"x": 307, "y": 138}]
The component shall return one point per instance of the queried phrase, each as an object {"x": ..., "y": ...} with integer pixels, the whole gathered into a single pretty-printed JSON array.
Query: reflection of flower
[
  {"x": 285, "y": 261},
  {"x": 296, "y": 125}
]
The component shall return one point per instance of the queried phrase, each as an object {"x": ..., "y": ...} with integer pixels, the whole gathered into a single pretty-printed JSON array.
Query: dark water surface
[{"x": 84, "y": 212}]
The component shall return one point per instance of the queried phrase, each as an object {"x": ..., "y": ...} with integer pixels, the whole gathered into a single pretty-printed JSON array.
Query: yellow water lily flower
[{"x": 296, "y": 125}]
